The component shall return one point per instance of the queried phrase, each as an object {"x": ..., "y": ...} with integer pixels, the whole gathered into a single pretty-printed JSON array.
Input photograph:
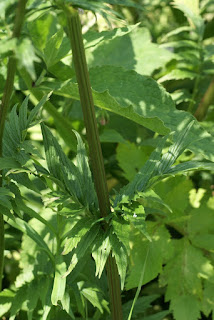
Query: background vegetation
[{"x": 151, "y": 67}]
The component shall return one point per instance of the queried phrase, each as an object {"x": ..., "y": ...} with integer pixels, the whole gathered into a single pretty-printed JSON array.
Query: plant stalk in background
[
  {"x": 11, "y": 70},
  {"x": 206, "y": 101},
  {"x": 75, "y": 36}
]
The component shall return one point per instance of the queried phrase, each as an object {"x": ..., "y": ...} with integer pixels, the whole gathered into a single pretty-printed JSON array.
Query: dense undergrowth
[{"x": 151, "y": 68}]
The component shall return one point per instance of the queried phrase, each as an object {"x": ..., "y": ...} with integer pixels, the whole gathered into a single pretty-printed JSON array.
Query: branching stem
[
  {"x": 75, "y": 36},
  {"x": 8, "y": 89}
]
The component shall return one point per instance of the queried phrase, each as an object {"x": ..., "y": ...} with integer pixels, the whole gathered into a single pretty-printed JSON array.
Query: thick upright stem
[
  {"x": 8, "y": 89},
  {"x": 75, "y": 36},
  {"x": 206, "y": 101}
]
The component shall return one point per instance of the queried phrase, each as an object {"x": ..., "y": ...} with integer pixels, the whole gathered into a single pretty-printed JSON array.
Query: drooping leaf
[
  {"x": 101, "y": 252},
  {"x": 26, "y": 228},
  {"x": 83, "y": 246},
  {"x": 86, "y": 177},
  {"x": 77, "y": 233},
  {"x": 59, "y": 281},
  {"x": 120, "y": 254}
]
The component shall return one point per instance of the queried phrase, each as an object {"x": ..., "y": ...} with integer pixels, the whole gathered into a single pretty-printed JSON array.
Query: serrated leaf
[
  {"x": 154, "y": 253},
  {"x": 122, "y": 230},
  {"x": 136, "y": 216},
  {"x": 77, "y": 233},
  {"x": 83, "y": 246},
  {"x": 66, "y": 304},
  {"x": 57, "y": 47},
  {"x": 101, "y": 252},
  {"x": 140, "y": 99},
  {"x": 60, "y": 166},
  {"x": 121, "y": 257},
  {"x": 142, "y": 178},
  {"x": 86, "y": 177},
  {"x": 59, "y": 281}
]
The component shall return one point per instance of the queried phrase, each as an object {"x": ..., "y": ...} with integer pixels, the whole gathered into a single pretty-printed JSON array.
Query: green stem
[
  {"x": 86, "y": 99},
  {"x": 191, "y": 108},
  {"x": 205, "y": 102},
  {"x": 8, "y": 89}
]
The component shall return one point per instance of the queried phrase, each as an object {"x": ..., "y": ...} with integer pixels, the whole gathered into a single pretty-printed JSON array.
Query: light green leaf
[
  {"x": 101, "y": 252},
  {"x": 26, "y": 56},
  {"x": 175, "y": 150},
  {"x": 66, "y": 304},
  {"x": 6, "y": 298},
  {"x": 59, "y": 281},
  {"x": 77, "y": 233},
  {"x": 159, "y": 250},
  {"x": 111, "y": 135},
  {"x": 133, "y": 51},
  {"x": 190, "y": 166},
  {"x": 131, "y": 158},
  {"x": 93, "y": 38},
  {"x": 142, "y": 178},
  {"x": 183, "y": 273},
  {"x": 86, "y": 177},
  {"x": 26, "y": 228},
  {"x": 83, "y": 246},
  {"x": 120, "y": 254},
  {"x": 186, "y": 308},
  {"x": 56, "y": 48}
]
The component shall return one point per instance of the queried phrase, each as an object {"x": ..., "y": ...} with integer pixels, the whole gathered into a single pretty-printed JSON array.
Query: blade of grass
[
  {"x": 8, "y": 89},
  {"x": 75, "y": 36},
  {"x": 139, "y": 285}
]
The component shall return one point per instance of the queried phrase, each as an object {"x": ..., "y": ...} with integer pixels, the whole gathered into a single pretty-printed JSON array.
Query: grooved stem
[
  {"x": 8, "y": 89},
  {"x": 75, "y": 36}
]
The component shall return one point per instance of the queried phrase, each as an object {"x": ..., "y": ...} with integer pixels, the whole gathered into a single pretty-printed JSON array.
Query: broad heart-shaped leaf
[
  {"x": 182, "y": 275},
  {"x": 133, "y": 51},
  {"x": 155, "y": 254},
  {"x": 140, "y": 99},
  {"x": 59, "y": 282},
  {"x": 142, "y": 178},
  {"x": 186, "y": 307}
]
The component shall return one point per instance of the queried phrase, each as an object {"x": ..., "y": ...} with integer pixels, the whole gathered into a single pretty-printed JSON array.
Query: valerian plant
[{"x": 86, "y": 225}]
